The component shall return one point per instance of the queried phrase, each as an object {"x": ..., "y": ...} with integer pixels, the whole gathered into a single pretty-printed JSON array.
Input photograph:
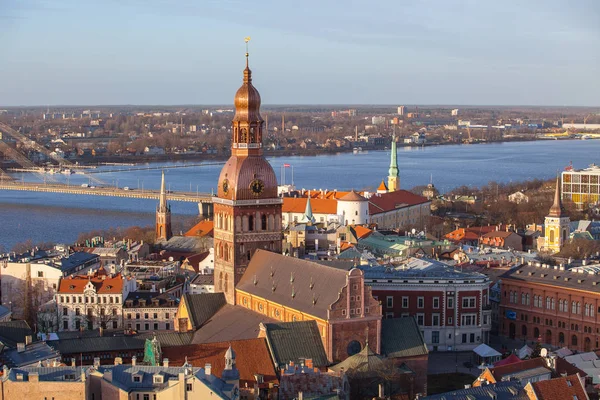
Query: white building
[
  {"x": 92, "y": 301},
  {"x": 353, "y": 209}
]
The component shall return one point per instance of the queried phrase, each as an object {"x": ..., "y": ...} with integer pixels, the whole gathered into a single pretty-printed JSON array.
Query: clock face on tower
[
  {"x": 225, "y": 186},
  {"x": 257, "y": 187}
]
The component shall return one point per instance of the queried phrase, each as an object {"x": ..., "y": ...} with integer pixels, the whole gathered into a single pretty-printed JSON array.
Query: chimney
[
  {"x": 166, "y": 362},
  {"x": 309, "y": 363},
  {"x": 208, "y": 369},
  {"x": 28, "y": 340},
  {"x": 118, "y": 361},
  {"x": 97, "y": 362},
  {"x": 381, "y": 391},
  {"x": 101, "y": 332},
  {"x": 73, "y": 362},
  {"x": 300, "y": 396},
  {"x": 133, "y": 360},
  {"x": 34, "y": 377},
  {"x": 20, "y": 347}
]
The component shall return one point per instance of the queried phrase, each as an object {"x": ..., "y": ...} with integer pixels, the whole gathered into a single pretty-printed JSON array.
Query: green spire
[
  {"x": 308, "y": 216},
  {"x": 393, "y": 172}
]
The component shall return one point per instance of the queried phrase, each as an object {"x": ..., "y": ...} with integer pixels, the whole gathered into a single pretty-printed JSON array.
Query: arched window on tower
[
  {"x": 221, "y": 280},
  {"x": 551, "y": 235},
  {"x": 226, "y": 282},
  {"x": 263, "y": 222},
  {"x": 251, "y": 223}
]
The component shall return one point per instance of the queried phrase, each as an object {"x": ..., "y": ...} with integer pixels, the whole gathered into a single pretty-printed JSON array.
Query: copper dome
[
  {"x": 247, "y": 100},
  {"x": 241, "y": 172}
]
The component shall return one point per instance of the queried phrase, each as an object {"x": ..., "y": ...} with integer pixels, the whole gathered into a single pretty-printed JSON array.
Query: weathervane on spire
[{"x": 247, "y": 39}]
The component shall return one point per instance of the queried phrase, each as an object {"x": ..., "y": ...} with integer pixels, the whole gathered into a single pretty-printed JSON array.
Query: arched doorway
[
  {"x": 574, "y": 341},
  {"x": 548, "y": 336},
  {"x": 536, "y": 333},
  {"x": 524, "y": 331},
  {"x": 561, "y": 338},
  {"x": 587, "y": 344},
  {"x": 512, "y": 330}
]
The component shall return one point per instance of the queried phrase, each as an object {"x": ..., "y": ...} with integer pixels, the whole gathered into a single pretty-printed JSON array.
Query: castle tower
[
  {"x": 247, "y": 209},
  {"x": 163, "y": 214},
  {"x": 556, "y": 224},
  {"x": 393, "y": 177}
]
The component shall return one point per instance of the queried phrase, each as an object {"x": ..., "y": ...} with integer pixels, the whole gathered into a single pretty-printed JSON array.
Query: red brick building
[
  {"x": 559, "y": 306},
  {"x": 451, "y": 307}
]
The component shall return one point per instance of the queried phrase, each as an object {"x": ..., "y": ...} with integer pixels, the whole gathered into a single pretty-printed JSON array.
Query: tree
[{"x": 537, "y": 351}]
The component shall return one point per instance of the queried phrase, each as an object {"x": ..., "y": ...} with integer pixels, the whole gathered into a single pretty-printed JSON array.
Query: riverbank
[{"x": 139, "y": 159}]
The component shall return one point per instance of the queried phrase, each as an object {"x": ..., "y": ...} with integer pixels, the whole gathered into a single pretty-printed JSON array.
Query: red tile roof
[
  {"x": 563, "y": 388},
  {"x": 562, "y": 367},
  {"x": 362, "y": 232},
  {"x": 384, "y": 202},
  {"x": 202, "y": 228},
  {"x": 318, "y": 206},
  {"x": 104, "y": 284},
  {"x": 252, "y": 357}
]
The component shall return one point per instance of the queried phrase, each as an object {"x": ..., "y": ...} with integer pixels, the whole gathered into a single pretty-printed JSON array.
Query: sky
[{"x": 467, "y": 52}]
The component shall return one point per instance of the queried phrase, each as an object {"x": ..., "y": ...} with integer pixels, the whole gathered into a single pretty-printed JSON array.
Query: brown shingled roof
[
  {"x": 315, "y": 286},
  {"x": 252, "y": 357}
]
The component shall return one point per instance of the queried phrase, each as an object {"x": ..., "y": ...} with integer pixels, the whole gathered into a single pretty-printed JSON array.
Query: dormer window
[
  {"x": 137, "y": 377},
  {"x": 142, "y": 303},
  {"x": 72, "y": 287},
  {"x": 158, "y": 379},
  {"x": 19, "y": 377}
]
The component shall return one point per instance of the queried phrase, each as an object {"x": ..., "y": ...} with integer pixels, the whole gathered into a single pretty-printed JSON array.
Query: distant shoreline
[{"x": 274, "y": 153}]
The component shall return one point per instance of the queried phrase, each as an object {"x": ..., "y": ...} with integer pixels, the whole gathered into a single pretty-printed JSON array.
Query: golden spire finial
[{"x": 247, "y": 39}]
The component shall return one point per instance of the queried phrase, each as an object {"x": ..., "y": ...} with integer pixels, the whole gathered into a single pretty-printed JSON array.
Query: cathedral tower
[
  {"x": 247, "y": 209},
  {"x": 393, "y": 177},
  {"x": 163, "y": 214},
  {"x": 556, "y": 224}
]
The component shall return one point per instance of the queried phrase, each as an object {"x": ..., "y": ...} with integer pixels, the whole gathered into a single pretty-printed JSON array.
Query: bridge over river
[{"x": 204, "y": 200}]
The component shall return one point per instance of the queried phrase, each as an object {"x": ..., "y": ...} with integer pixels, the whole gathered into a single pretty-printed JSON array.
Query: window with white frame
[
  {"x": 420, "y": 319},
  {"x": 469, "y": 302},
  {"x": 450, "y": 302},
  {"x": 389, "y": 301},
  {"x": 404, "y": 301},
  {"x": 436, "y": 302},
  {"x": 420, "y": 302},
  {"x": 468, "y": 319},
  {"x": 435, "y": 319}
]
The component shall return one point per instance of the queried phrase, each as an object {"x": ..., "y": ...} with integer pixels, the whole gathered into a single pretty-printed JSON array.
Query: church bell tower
[
  {"x": 556, "y": 224},
  {"x": 247, "y": 209},
  {"x": 163, "y": 215}
]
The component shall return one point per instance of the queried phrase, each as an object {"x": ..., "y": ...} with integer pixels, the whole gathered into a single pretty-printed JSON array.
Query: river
[{"x": 61, "y": 218}]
